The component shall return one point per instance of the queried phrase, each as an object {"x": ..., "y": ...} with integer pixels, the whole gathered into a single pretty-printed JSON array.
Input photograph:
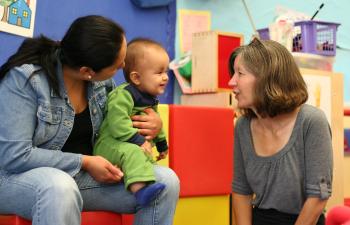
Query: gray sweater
[{"x": 301, "y": 169}]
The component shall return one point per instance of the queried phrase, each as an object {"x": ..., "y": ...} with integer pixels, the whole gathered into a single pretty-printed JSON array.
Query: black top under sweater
[{"x": 79, "y": 140}]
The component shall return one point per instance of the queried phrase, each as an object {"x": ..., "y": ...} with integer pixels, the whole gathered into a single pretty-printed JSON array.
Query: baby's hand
[
  {"x": 147, "y": 148},
  {"x": 162, "y": 155}
]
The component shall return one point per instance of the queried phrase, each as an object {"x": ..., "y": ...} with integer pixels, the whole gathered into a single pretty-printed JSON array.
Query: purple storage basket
[
  {"x": 314, "y": 37},
  {"x": 264, "y": 34}
]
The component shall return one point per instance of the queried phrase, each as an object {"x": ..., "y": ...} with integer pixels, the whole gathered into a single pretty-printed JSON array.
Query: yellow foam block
[
  {"x": 347, "y": 122},
  {"x": 163, "y": 111},
  {"x": 206, "y": 210}
]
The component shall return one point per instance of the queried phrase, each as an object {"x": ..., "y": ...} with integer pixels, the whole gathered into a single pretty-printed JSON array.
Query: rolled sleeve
[{"x": 318, "y": 157}]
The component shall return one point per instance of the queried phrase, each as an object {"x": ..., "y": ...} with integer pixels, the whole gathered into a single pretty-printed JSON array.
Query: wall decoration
[
  {"x": 17, "y": 17},
  {"x": 192, "y": 21}
]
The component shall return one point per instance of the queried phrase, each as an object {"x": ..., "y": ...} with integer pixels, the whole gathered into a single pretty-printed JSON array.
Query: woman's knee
[
  {"x": 168, "y": 177},
  {"x": 59, "y": 188}
]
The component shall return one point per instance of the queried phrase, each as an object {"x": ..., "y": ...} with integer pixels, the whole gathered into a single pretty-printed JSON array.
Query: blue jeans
[{"x": 50, "y": 196}]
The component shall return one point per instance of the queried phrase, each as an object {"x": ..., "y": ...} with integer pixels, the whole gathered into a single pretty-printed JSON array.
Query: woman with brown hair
[{"x": 282, "y": 146}]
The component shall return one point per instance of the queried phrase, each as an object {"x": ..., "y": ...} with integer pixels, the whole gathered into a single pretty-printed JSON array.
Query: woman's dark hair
[
  {"x": 280, "y": 87},
  {"x": 92, "y": 41}
]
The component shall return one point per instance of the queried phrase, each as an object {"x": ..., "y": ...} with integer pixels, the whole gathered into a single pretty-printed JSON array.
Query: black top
[
  {"x": 141, "y": 99},
  {"x": 79, "y": 140}
]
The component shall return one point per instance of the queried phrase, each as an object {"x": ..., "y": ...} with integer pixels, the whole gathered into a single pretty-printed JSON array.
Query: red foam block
[
  {"x": 201, "y": 149},
  {"x": 128, "y": 219},
  {"x": 88, "y": 218}
]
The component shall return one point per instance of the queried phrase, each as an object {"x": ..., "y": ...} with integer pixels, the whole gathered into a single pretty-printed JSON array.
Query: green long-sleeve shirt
[{"x": 123, "y": 102}]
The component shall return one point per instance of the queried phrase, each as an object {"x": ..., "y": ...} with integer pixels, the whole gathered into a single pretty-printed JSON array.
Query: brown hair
[
  {"x": 280, "y": 88},
  {"x": 135, "y": 52}
]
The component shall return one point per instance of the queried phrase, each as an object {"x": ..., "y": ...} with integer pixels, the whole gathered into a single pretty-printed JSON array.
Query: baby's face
[{"x": 154, "y": 71}]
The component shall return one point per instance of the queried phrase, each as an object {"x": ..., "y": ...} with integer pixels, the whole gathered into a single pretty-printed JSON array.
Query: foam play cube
[
  {"x": 163, "y": 110},
  {"x": 87, "y": 218},
  {"x": 13, "y": 220},
  {"x": 207, "y": 210},
  {"x": 201, "y": 149},
  {"x": 100, "y": 218},
  {"x": 128, "y": 219}
]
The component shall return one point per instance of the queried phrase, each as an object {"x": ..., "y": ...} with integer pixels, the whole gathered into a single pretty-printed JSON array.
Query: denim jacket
[{"x": 35, "y": 122}]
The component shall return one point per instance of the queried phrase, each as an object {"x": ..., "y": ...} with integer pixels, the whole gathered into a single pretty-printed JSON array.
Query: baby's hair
[{"x": 135, "y": 52}]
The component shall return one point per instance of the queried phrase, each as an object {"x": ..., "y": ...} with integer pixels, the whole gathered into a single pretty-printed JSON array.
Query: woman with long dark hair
[{"x": 52, "y": 101}]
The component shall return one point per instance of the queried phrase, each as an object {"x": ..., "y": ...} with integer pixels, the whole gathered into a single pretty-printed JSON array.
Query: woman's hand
[
  {"x": 149, "y": 125},
  {"x": 147, "y": 148},
  {"x": 101, "y": 169}
]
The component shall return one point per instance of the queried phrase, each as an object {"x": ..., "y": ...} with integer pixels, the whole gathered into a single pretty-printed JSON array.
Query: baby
[{"x": 146, "y": 67}]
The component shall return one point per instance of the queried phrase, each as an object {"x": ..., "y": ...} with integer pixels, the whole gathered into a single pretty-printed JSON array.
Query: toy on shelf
[
  {"x": 310, "y": 36},
  {"x": 210, "y": 54},
  {"x": 183, "y": 66}
]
